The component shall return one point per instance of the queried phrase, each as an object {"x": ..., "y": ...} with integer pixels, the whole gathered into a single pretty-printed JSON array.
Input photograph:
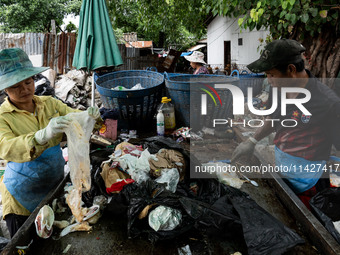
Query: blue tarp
[{"x": 187, "y": 53}]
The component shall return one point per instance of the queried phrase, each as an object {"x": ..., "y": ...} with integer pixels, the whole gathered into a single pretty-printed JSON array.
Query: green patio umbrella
[{"x": 96, "y": 43}]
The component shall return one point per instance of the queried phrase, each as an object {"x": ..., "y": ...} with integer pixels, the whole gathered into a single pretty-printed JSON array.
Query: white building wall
[{"x": 226, "y": 29}]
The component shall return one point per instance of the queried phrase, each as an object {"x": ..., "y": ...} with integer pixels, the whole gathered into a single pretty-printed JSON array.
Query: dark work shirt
[{"x": 314, "y": 135}]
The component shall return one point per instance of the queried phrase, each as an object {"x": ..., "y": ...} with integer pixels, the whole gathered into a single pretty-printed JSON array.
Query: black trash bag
[
  {"x": 155, "y": 143},
  {"x": 98, "y": 184},
  {"x": 235, "y": 210},
  {"x": 43, "y": 86},
  {"x": 100, "y": 155},
  {"x": 210, "y": 208},
  {"x": 112, "y": 114},
  {"x": 210, "y": 190},
  {"x": 263, "y": 233},
  {"x": 120, "y": 202},
  {"x": 148, "y": 193},
  {"x": 97, "y": 187},
  {"x": 218, "y": 219},
  {"x": 326, "y": 206}
]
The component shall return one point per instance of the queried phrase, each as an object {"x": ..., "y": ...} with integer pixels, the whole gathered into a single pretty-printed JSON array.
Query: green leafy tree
[
  {"x": 34, "y": 15},
  {"x": 166, "y": 22},
  {"x": 313, "y": 23},
  {"x": 70, "y": 27}
]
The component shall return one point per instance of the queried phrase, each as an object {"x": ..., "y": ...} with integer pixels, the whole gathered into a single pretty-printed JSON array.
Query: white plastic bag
[
  {"x": 138, "y": 86},
  {"x": 133, "y": 166},
  {"x": 44, "y": 222},
  {"x": 170, "y": 177},
  {"x": 78, "y": 136},
  {"x": 164, "y": 218}
]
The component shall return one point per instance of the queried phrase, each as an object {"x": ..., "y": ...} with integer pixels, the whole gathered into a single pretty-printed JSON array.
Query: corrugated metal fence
[
  {"x": 57, "y": 53},
  {"x": 31, "y": 43}
]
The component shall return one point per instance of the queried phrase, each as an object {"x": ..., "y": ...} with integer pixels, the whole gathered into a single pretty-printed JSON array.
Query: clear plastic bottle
[
  {"x": 160, "y": 123},
  {"x": 169, "y": 115}
]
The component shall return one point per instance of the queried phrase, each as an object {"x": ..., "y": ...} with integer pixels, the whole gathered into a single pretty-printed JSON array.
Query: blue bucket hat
[{"x": 15, "y": 67}]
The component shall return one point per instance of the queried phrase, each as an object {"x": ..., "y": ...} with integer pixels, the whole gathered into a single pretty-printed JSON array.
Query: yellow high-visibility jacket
[{"x": 17, "y": 143}]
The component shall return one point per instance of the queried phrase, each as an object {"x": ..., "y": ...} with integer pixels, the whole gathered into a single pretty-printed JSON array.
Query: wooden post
[{"x": 53, "y": 44}]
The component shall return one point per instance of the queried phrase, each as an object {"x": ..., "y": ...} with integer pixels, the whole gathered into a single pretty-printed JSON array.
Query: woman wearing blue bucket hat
[{"x": 31, "y": 129}]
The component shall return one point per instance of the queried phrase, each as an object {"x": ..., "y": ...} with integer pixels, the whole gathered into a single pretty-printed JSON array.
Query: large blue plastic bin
[
  {"x": 247, "y": 80},
  {"x": 136, "y": 107},
  {"x": 181, "y": 89}
]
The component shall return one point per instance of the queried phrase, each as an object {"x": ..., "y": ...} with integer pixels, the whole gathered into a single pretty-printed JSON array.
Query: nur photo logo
[
  {"x": 238, "y": 104},
  {"x": 204, "y": 98}
]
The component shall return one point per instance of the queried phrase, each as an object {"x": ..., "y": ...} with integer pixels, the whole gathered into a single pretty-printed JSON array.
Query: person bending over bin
[
  {"x": 31, "y": 129},
  {"x": 304, "y": 149}
]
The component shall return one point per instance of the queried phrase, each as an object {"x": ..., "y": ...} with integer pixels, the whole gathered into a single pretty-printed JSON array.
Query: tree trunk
[{"x": 323, "y": 54}]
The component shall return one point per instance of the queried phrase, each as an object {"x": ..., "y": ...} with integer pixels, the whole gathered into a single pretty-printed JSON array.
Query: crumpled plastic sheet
[
  {"x": 43, "y": 86},
  {"x": 137, "y": 168},
  {"x": 227, "y": 177},
  {"x": 170, "y": 177},
  {"x": 63, "y": 86},
  {"x": 326, "y": 207},
  {"x": 78, "y": 135},
  {"x": 138, "y": 86},
  {"x": 263, "y": 233},
  {"x": 164, "y": 218}
]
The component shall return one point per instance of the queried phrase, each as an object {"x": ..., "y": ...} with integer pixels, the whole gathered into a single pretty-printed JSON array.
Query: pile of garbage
[
  {"x": 73, "y": 88},
  {"x": 149, "y": 182}
]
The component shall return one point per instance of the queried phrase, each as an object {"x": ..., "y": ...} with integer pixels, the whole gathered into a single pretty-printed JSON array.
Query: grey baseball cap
[
  {"x": 15, "y": 67},
  {"x": 283, "y": 51}
]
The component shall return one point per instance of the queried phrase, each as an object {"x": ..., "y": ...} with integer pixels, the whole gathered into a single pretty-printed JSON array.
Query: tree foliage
[
  {"x": 179, "y": 22},
  {"x": 34, "y": 15},
  {"x": 314, "y": 23},
  {"x": 176, "y": 22}
]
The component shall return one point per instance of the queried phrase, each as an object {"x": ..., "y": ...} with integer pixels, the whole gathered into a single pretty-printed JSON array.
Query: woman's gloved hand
[
  {"x": 54, "y": 127},
  {"x": 93, "y": 112},
  {"x": 245, "y": 148}
]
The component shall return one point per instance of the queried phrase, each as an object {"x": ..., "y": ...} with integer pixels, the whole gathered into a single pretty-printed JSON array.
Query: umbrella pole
[{"x": 93, "y": 90}]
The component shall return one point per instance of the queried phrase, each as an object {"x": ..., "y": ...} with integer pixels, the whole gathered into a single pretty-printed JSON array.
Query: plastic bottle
[
  {"x": 169, "y": 115},
  {"x": 160, "y": 123}
]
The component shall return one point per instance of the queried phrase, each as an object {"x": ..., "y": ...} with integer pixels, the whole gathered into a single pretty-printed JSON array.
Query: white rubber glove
[
  {"x": 245, "y": 148},
  {"x": 54, "y": 127},
  {"x": 93, "y": 112}
]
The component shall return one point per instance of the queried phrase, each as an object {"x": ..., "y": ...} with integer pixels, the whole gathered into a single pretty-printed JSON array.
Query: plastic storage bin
[
  {"x": 136, "y": 107},
  {"x": 184, "y": 90}
]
